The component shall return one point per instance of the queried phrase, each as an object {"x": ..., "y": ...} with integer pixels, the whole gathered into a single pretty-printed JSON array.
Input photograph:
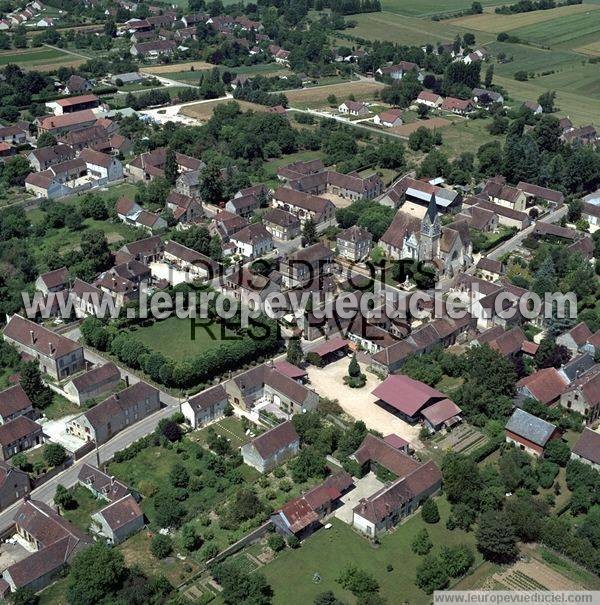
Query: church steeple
[{"x": 430, "y": 232}]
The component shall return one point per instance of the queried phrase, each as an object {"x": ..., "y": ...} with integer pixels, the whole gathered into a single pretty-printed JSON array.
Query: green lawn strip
[
  {"x": 567, "y": 568},
  {"x": 466, "y": 135},
  {"x": 328, "y": 552}
]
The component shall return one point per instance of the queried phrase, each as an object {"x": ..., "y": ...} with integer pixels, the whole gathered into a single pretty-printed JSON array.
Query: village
[{"x": 377, "y": 375}]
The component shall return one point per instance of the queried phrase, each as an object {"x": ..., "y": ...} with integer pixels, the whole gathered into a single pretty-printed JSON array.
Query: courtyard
[
  {"x": 359, "y": 403},
  {"x": 363, "y": 488}
]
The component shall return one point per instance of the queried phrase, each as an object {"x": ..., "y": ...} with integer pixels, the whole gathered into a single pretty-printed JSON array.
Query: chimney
[
  {"x": 50, "y": 348},
  {"x": 32, "y": 336},
  {"x": 116, "y": 396},
  {"x": 112, "y": 480},
  {"x": 127, "y": 379}
]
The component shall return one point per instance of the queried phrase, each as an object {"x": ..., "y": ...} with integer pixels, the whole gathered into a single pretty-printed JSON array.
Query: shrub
[
  {"x": 430, "y": 512},
  {"x": 276, "y": 542},
  {"x": 161, "y": 546}
]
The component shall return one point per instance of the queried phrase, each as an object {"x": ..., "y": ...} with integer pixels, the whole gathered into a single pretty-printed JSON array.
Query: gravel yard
[{"x": 359, "y": 403}]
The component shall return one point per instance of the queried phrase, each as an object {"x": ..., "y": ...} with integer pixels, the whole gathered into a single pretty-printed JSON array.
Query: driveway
[
  {"x": 364, "y": 488},
  {"x": 57, "y": 431},
  {"x": 359, "y": 403}
]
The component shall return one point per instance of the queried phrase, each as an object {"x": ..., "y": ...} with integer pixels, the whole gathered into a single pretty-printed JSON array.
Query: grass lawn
[
  {"x": 448, "y": 384},
  {"x": 86, "y": 505},
  {"x": 466, "y": 135},
  {"x": 55, "y": 594},
  {"x": 231, "y": 428},
  {"x": 272, "y": 166},
  {"x": 61, "y": 407},
  {"x": 136, "y": 551},
  {"x": 328, "y": 552},
  {"x": 173, "y": 337}
]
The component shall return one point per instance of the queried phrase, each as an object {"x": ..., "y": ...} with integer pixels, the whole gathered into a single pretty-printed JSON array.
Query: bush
[
  {"x": 54, "y": 454},
  {"x": 161, "y": 546},
  {"x": 430, "y": 512},
  {"x": 293, "y": 541},
  {"x": 315, "y": 359},
  {"x": 422, "y": 544},
  {"x": 276, "y": 542}
]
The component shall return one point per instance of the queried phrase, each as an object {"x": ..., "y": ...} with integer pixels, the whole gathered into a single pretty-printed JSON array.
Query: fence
[{"x": 253, "y": 536}]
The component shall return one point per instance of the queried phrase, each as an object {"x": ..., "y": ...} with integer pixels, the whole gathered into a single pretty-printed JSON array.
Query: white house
[
  {"x": 205, "y": 407},
  {"x": 430, "y": 99},
  {"x": 389, "y": 119},
  {"x": 354, "y": 108},
  {"x": 101, "y": 165},
  {"x": 253, "y": 241}
]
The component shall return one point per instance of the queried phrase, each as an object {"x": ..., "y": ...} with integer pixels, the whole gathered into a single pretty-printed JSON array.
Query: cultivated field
[
  {"x": 317, "y": 96},
  {"x": 40, "y": 59},
  {"x": 432, "y": 124},
  {"x": 425, "y": 8},
  {"x": 530, "y": 59},
  {"x": 408, "y": 30},
  {"x": 570, "y": 31},
  {"x": 203, "y": 111},
  {"x": 494, "y": 24},
  {"x": 176, "y": 67},
  {"x": 582, "y": 109}
]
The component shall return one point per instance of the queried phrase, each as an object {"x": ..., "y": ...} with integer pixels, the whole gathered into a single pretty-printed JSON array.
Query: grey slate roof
[{"x": 530, "y": 427}]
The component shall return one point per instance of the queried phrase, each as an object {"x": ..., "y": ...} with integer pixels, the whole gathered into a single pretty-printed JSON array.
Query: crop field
[
  {"x": 317, "y": 96},
  {"x": 262, "y": 69},
  {"x": 204, "y": 111},
  {"x": 425, "y": 8},
  {"x": 582, "y": 109},
  {"x": 176, "y": 67},
  {"x": 494, "y": 24},
  {"x": 570, "y": 31},
  {"x": 40, "y": 59},
  {"x": 530, "y": 59},
  {"x": 408, "y": 30}
]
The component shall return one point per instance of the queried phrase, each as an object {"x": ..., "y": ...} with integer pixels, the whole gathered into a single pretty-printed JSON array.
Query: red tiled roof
[
  {"x": 77, "y": 100},
  {"x": 405, "y": 394},
  {"x": 121, "y": 512},
  {"x": 442, "y": 411},
  {"x": 290, "y": 370},
  {"x": 545, "y": 385},
  {"x": 330, "y": 346},
  {"x": 588, "y": 446}
]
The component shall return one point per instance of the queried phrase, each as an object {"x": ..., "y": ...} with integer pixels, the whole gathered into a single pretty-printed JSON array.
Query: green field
[
  {"x": 429, "y": 7},
  {"x": 529, "y": 59},
  {"x": 408, "y": 30},
  {"x": 39, "y": 58},
  {"x": 172, "y": 337},
  {"x": 328, "y": 552},
  {"x": 568, "y": 31},
  {"x": 466, "y": 135}
]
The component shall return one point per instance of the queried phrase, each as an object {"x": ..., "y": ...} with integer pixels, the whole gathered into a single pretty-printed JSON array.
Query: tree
[
  {"x": 190, "y": 540},
  {"x": 495, "y": 537},
  {"x": 46, "y": 139},
  {"x": 31, "y": 381},
  {"x": 246, "y": 505},
  {"x": 558, "y": 451},
  {"x": 294, "y": 353},
  {"x": 422, "y": 544},
  {"x": 526, "y": 515},
  {"x": 327, "y": 598},
  {"x": 161, "y": 546},
  {"x": 171, "y": 166},
  {"x": 211, "y": 184},
  {"x": 20, "y": 461},
  {"x": 54, "y": 454},
  {"x": 309, "y": 463},
  {"x": 309, "y": 233},
  {"x": 546, "y": 100},
  {"x": 422, "y": 112},
  {"x": 276, "y": 542},
  {"x": 357, "y": 581},
  {"x": 551, "y": 355},
  {"x": 240, "y": 586},
  {"x": 489, "y": 76},
  {"x": 170, "y": 430},
  {"x": 456, "y": 559},
  {"x": 95, "y": 574},
  {"x": 431, "y": 575},
  {"x": 64, "y": 498},
  {"x": 178, "y": 475},
  {"x": 15, "y": 171},
  {"x": 168, "y": 511}
]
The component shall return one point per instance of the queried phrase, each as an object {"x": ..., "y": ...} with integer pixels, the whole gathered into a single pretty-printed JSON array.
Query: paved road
[{"x": 68, "y": 477}]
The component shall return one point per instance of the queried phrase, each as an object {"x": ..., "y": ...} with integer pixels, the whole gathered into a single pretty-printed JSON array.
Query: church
[{"x": 422, "y": 238}]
